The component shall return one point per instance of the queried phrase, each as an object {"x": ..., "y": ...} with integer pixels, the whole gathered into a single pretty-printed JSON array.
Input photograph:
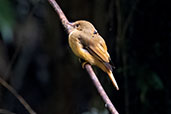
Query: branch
[
  {"x": 100, "y": 89},
  {"x": 88, "y": 67},
  {"x": 3, "y": 111},
  {"x": 20, "y": 98},
  {"x": 61, "y": 15}
]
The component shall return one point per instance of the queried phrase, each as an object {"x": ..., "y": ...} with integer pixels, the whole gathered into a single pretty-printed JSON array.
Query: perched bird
[{"x": 88, "y": 45}]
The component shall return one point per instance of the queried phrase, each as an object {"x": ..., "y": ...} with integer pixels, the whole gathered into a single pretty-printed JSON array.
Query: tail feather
[
  {"x": 113, "y": 79},
  {"x": 108, "y": 66}
]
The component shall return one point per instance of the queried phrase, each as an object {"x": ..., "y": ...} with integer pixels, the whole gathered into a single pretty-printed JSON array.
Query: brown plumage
[{"x": 88, "y": 45}]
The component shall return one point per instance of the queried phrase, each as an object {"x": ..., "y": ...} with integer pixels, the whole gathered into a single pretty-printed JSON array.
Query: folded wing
[{"x": 96, "y": 46}]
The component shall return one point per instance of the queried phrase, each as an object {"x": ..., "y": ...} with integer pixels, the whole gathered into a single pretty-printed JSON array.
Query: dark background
[{"x": 36, "y": 60}]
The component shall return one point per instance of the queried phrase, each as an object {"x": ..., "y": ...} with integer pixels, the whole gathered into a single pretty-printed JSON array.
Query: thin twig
[
  {"x": 88, "y": 67},
  {"x": 20, "y": 98},
  {"x": 3, "y": 111},
  {"x": 123, "y": 26},
  {"x": 120, "y": 47},
  {"x": 7, "y": 74},
  {"x": 129, "y": 18}
]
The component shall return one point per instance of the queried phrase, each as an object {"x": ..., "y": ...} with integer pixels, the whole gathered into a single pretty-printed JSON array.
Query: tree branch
[
  {"x": 20, "y": 98},
  {"x": 88, "y": 67},
  {"x": 3, "y": 111},
  {"x": 100, "y": 89},
  {"x": 61, "y": 15}
]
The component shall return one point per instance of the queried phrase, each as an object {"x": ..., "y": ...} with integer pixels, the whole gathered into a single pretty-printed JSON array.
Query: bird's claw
[{"x": 83, "y": 64}]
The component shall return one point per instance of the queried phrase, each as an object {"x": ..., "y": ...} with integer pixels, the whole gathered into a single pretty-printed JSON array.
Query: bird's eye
[
  {"x": 77, "y": 25},
  {"x": 95, "y": 32}
]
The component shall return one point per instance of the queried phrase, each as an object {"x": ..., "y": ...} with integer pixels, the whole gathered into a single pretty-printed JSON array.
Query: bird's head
[{"x": 84, "y": 26}]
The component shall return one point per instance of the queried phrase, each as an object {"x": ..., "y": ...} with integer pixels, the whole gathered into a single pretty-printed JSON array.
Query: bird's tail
[{"x": 113, "y": 79}]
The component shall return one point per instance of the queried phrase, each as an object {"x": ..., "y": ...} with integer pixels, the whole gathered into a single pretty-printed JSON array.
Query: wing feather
[{"x": 95, "y": 46}]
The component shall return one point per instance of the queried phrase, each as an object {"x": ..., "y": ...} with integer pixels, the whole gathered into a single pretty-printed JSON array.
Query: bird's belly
[
  {"x": 87, "y": 57},
  {"x": 81, "y": 52}
]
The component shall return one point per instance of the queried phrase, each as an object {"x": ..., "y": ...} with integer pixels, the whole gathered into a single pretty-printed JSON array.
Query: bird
[{"x": 87, "y": 44}]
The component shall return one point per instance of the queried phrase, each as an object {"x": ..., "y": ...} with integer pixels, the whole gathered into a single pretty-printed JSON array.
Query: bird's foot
[{"x": 83, "y": 63}]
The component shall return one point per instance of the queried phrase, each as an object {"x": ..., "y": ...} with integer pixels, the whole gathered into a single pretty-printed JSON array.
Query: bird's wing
[{"x": 96, "y": 46}]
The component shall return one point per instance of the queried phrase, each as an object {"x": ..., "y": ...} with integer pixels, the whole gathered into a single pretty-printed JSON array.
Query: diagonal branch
[
  {"x": 61, "y": 15},
  {"x": 20, "y": 98},
  {"x": 100, "y": 89},
  {"x": 129, "y": 18},
  {"x": 3, "y": 111},
  {"x": 88, "y": 67}
]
